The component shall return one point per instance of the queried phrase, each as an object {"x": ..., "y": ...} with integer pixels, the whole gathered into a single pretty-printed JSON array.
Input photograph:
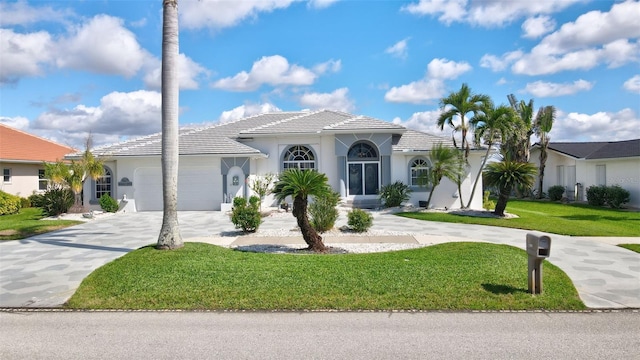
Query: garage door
[{"x": 198, "y": 188}]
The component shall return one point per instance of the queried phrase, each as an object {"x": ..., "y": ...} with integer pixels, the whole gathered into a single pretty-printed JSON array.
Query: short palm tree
[
  {"x": 505, "y": 175},
  {"x": 300, "y": 184},
  {"x": 446, "y": 162}
]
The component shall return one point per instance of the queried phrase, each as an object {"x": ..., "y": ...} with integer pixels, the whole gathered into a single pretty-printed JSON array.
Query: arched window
[
  {"x": 299, "y": 157},
  {"x": 362, "y": 151},
  {"x": 419, "y": 172},
  {"x": 103, "y": 184}
]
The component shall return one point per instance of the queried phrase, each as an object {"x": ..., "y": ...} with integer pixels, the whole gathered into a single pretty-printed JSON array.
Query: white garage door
[{"x": 199, "y": 188}]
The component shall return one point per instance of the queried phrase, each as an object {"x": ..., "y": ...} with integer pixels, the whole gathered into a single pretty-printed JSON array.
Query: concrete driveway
[{"x": 45, "y": 270}]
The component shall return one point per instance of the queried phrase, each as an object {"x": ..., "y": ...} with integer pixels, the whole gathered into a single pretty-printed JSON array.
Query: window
[
  {"x": 419, "y": 172},
  {"x": 6, "y": 175},
  {"x": 363, "y": 167},
  {"x": 103, "y": 184},
  {"x": 601, "y": 174},
  {"x": 560, "y": 175},
  {"x": 43, "y": 182},
  {"x": 362, "y": 151},
  {"x": 299, "y": 157}
]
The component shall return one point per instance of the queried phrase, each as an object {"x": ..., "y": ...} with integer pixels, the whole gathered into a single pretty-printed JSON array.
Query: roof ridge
[
  {"x": 36, "y": 136},
  {"x": 300, "y": 114},
  {"x": 351, "y": 118}
]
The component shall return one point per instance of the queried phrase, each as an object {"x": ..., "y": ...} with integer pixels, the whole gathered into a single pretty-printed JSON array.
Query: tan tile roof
[{"x": 17, "y": 145}]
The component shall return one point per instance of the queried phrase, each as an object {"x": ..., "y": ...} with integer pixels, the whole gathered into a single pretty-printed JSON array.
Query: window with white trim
[
  {"x": 601, "y": 175},
  {"x": 6, "y": 175},
  {"x": 43, "y": 182},
  {"x": 103, "y": 184},
  {"x": 299, "y": 157},
  {"x": 419, "y": 172}
]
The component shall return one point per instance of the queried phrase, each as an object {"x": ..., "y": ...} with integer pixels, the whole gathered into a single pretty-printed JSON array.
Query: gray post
[{"x": 538, "y": 248}]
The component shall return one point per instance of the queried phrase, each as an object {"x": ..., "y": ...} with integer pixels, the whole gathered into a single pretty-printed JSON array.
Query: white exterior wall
[{"x": 24, "y": 179}]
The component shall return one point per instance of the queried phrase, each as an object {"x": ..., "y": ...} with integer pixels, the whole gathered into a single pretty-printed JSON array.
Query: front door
[{"x": 363, "y": 178}]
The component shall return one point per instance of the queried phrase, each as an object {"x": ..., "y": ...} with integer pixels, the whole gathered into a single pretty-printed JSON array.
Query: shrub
[
  {"x": 246, "y": 216},
  {"x": 36, "y": 200},
  {"x": 487, "y": 203},
  {"x": 359, "y": 220},
  {"x": 57, "y": 201},
  {"x": 555, "y": 192},
  {"x": 597, "y": 195},
  {"x": 25, "y": 203},
  {"x": 394, "y": 194},
  {"x": 9, "y": 204},
  {"x": 616, "y": 196},
  {"x": 108, "y": 204},
  {"x": 323, "y": 212}
]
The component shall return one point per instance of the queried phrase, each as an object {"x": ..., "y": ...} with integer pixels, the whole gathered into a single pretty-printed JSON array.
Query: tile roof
[
  {"x": 413, "y": 140},
  {"x": 225, "y": 138},
  {"x": 16, "y": 145},
  {"x": 598, "y": 150}
]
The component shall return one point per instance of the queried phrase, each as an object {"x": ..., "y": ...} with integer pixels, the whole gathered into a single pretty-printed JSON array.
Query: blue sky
[{"x": 68, "y": 68}]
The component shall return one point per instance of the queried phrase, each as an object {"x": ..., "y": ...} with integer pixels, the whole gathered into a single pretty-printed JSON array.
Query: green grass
[
  {"x": 202, "y": 276},
  {"x": 632, "y": 247},
  {"x": 27, "y": 223},
  {"x": 556, "y": 218}
]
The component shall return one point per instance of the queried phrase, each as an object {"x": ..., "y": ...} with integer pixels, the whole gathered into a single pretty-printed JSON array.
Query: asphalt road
[{"x": 319, "y": 335}]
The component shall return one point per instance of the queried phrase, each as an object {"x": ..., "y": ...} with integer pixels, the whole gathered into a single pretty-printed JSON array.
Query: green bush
[
  {"x": 36, "y": 200},
  {"x": 597, "y": 195},
  {"x": 616, "y": 196},
  {"x": 25, "y": 203},
  {"x": 246, "y": 216},
  {"x": 56, "y": 201},
  {"x": 359, "y": 220},
  {"x": 556, "y": 192},
  {"x": 9, "y": 204},
  {"x": 108, "y": 204},
  {"x": 394, "y": 194},
  {"x": 487, "y": 203},
  {"x": 323, "y": 212}
]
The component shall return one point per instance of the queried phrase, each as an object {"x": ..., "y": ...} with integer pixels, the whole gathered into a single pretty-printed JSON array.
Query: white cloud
[
  {"x": 328, "y": 66},
  {"x": 336, "y": 100},
  {"x": 21, "y": 13},
  {"x": 425, "y": 121},
  {"x": 119, "y": 114},
  {"x": 399, "y": 49},
  {"x": 272, "y": 70},
  {"x": 321, "y": 4},
  {"x": 218, "y": 14},
  {"x": 246, "y": 110},
  {"x": 431, "y": 87},
  {"x": 117, "y": 51},
  {"x": 548, "y": 89},
  {"x": 633, "y": 84},
  {"x": 500, "y": 63},
  {"x": 535, "y": 27},
  {"x": 595, "y": 37},
  {"x": 23, "y": 54},
  {"x": 449, "y": 10},
  {"x": 18, "y": 122},
  {"x": 601, "y": 126},
  {"x": 189, "y": 72}
]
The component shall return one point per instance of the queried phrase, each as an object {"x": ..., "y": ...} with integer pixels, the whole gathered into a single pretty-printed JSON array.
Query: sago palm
[
  {"x": 300, "y": 184},
  {"x": 505, "y": 175}
]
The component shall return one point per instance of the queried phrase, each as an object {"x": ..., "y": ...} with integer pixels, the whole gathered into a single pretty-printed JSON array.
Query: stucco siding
[{"x": 24, "y": 179}]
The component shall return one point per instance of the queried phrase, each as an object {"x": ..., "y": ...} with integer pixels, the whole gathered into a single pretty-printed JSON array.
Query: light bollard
[{"x": 538, "y": 249}]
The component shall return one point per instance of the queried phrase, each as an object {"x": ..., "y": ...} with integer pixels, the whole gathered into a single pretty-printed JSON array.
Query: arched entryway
[{"x": 363, "y": 169}]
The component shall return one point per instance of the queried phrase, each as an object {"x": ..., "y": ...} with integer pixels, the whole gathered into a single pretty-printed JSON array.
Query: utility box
[{"x": 538, "y": 249}]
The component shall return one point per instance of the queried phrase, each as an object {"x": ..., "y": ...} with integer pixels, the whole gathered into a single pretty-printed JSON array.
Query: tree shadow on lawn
[{"x": 502, "y": 289}]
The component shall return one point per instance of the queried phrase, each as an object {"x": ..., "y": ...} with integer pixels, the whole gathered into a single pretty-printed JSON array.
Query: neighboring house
[
  {"x": 358, "y": 154},
  {"x": 576, "y": 166},
  {"x": 21, "y": 160}
]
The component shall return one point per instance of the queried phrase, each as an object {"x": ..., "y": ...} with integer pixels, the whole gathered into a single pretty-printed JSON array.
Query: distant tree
[
  {"x": 300, "y": 184},
  {"x": 544, "y": 122},
  {"x": 516, "y": 147},
  {"x": 506, "y": 175}
]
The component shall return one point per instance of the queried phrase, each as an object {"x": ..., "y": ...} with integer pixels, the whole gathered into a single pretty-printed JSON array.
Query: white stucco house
[
  {"x": 358, "y": 154},
  {"x": 578, "y": 165}
]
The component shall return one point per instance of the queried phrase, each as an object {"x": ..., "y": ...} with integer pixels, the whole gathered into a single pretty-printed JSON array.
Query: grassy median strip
[
  {"x": 27, "y": 223},
  {"x": 556, "y": 218},
  {"x": 453, "y": 276}
]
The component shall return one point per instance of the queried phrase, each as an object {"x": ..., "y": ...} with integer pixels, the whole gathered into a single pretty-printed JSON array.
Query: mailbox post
[{"x": 538, "y": 249}]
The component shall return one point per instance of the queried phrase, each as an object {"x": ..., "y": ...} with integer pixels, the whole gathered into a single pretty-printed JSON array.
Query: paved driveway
[{"x": 45, "y": 270}]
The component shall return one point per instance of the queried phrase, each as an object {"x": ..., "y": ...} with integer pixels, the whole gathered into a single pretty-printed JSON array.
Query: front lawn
[
  {"x": 632, "y": 247},
  {"x": 27, "y": 223},
  {"x": 555, "y": 218},
  {"x": 454, "y": 276}
]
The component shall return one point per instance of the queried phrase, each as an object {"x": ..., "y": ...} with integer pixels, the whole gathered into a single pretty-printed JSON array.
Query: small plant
[
  {"x": 359, "y": 220},
  {"x": 246, "y": 216},
  {"x": 108, "y": 204},
  {"x": 25, "y": 203},
  {"x": 57, "y": 200},
  {"x": 597, "y": 195},
  {"x": 394, "y": 194},
  {"x": 9, "y": 204},
  {"x": 556, "y": 192},
  {"x": 487, "y": 203},
  {"x": 616, "y": 196},
  {"x": 323, "y": 212},
  {"x": 262, "y": 186},
  {"x": 36, "y": 200}
]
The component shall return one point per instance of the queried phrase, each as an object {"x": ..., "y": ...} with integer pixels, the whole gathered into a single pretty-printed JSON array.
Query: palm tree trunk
[
  {"x": 170, "y": 237},
  {"x": 430, "y": 196},
  {"x": 309, "y": 234},
  {"x": 475, "y": 183},
  {"x": 503, "y": 198},
  {"x": 543, "y": 160}
]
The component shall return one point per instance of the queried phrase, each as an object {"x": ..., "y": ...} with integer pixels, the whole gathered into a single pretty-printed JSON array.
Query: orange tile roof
[{"x": 21, "y": 146}]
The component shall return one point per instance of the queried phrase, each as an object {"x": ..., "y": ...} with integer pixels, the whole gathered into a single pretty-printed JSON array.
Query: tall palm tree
[
  {"x": 506, "y": 175},
  {"x": 516, "y": 148},
  {"x": 458, "y": 105},
  {"x": 445, "y": 162},
  {"x": 170, "y": 237},
  {"x": 544, "y": 122},
  {"x": 300, "y": 184},
  {"x": 492, "y": 126}
]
